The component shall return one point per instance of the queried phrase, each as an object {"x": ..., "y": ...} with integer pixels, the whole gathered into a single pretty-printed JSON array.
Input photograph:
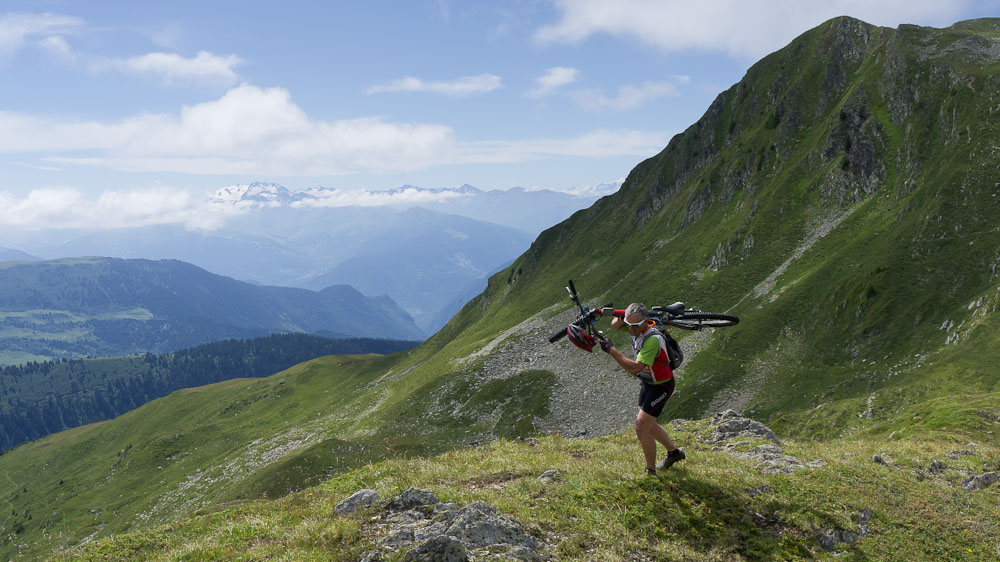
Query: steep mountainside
[
  {"x": 841, "y": 199},
  {"x": 105, "y": 306}
]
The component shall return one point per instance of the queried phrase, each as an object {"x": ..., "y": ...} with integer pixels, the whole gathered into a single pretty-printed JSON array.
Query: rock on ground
[
  {"x": 982, "y": 481},
  {"x": 362, "y": 498},
  {"x": 443, "y": 532},
  {"x": 730, "y": 425}
]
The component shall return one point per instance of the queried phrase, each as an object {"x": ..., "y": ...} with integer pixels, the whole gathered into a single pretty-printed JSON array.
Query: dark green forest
[{"x": 40, "y": 398}]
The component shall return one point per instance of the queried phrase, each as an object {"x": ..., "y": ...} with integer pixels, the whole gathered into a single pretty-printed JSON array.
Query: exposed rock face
[
  {"x": 832, "y": 538},
  {"x": 444, "y": 532},
  {"x": 771, "y": 458},
  {"x": 730, "y": 425},
  {"x": 363, "y": 498},
  {"x": 441, "y": 548},
  {"x": 982, "y": 481}
]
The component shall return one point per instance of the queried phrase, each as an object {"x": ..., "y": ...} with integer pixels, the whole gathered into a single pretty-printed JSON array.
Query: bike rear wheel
[{"x": 696, "y": 320}]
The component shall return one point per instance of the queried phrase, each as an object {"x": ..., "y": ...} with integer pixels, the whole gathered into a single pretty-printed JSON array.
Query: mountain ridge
[
  {"x": 271, "y": 194},
  {"x": 91, "y": 306},
  {"x": 839, "y": 199}
]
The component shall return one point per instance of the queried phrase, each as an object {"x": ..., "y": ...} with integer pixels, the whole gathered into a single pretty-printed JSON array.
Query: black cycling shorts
[{"x": 652, "y": 397}]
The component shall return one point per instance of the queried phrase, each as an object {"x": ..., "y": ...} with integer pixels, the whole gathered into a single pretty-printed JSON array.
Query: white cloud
[
  {"x": 553, "y": 79},
  {"x": 629, "y": 96},
  {"x": 740, "y": 28},
  {"x": 365, "y": 198},
  {"x": 465, "y": 86},
  {"x": 251, "y": 131},
  {"x": 58, "y": 48},
  {"x": 173, "y": 68},
  {"x": 248, "y": 130},
  {"x": 18, "y": 29},
  {"x": 597, "y": 190},
  {"x": 69, "y": 208}
]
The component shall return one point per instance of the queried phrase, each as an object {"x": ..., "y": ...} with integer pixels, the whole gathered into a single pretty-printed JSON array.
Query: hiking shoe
[{"x": 671, "y": 458}]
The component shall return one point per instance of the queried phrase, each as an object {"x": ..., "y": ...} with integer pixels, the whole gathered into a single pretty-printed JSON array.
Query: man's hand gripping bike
[{"x": 583, "y": 334}]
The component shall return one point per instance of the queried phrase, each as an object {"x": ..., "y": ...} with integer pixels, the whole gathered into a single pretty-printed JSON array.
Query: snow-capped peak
[{"x": 257, "y": 192}]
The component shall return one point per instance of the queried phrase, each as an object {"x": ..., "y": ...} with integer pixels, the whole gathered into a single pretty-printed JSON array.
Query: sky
[{"x": 138, "y": 110}]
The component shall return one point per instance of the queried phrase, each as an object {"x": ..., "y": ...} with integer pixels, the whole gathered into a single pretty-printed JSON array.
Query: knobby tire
[{"x": 696, "y": 320}]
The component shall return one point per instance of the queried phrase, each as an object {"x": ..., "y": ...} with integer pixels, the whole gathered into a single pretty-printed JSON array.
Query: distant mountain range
[
  {"x": 7, "y": 254},
  {"x": 108, "y": 306},
  {"x": 528, "y": 210},
  {"x": 419, "y": 246}
]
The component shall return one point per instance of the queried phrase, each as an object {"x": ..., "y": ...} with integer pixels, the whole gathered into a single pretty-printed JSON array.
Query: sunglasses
[{"x": 636, "y": 324}]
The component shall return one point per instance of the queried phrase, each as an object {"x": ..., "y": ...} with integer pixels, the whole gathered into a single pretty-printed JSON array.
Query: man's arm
[{"x": 631, "y": 366}]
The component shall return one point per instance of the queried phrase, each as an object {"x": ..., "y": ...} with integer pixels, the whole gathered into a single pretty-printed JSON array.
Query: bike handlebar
[{"x": 558, "y": 336}]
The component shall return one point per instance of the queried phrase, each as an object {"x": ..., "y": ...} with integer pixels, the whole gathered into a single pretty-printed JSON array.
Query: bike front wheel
[{"x": 696, "y": 320}]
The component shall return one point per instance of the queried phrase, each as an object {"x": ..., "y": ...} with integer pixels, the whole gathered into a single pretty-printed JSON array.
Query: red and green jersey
[{"x": 651, "y": 349}]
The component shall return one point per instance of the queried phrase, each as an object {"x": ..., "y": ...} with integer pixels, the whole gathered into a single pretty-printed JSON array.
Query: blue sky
[{"x": 145, "y": 107}]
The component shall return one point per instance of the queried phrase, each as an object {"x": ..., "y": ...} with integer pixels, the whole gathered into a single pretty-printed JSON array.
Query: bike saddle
[{"x": 675, "y": 309}]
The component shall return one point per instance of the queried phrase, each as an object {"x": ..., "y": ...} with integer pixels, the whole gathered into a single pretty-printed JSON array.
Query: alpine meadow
[{"x": 841, "y": 199}]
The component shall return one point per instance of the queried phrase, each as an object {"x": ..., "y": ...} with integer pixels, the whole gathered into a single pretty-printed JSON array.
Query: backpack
[
  {"x": 674, "y": 354},
  {"x": 673, "y": 350}
]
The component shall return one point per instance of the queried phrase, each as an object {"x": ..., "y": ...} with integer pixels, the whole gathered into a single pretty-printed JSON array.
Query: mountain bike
[{"x": 583, "y": 334}]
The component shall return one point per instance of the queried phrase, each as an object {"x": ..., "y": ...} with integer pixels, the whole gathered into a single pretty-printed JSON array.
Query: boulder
[
  {"x": 441, "y": 548},
  {"x": 773, "y": 459},
  {"x": 360, "y": 499},
  {"x": 730, "y": 425},
  {"x": 479, "y": 525},
  {"x": 549, "y": 476},
  {"x": 411, "y": 498},
  {"x": 833, "y": 537},
  {"x": 982, "y": 481},
  {"x": 438, "y": 529}
]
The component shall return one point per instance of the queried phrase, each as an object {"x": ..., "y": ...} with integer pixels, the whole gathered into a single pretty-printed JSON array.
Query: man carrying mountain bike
[{"x": 652, "y": 367}]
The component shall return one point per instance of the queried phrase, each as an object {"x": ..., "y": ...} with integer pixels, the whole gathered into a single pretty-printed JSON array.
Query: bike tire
[{"x": 696, "y": 320}]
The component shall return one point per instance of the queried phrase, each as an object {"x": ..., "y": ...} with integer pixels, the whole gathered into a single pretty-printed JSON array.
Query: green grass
[
  {"x": 245, "y": 439},
  {"x": 859, "y": 322},
  {"x": 600, "y": 509}
]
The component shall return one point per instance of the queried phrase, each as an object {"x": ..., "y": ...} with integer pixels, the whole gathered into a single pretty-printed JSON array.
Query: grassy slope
[
  {"x": 600, "y": 510},
  {"x": 186, "y": 441},
  {"x": 855, "y": 320},
  {"x": 870, "y": 296}
]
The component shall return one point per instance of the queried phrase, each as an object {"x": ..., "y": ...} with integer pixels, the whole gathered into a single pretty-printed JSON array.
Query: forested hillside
[{"x": 37, "y": 399}]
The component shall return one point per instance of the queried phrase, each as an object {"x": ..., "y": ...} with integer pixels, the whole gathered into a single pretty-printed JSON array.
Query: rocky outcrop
[
  {"x": 832, "y": 538},
  {"x": 432, "y": 531},
  {"x": 730, "y": 425},
  {"x": 770, "y": 457},
  {"x": 981, "y": 481},
  {"x": 361, "y": 499}
]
